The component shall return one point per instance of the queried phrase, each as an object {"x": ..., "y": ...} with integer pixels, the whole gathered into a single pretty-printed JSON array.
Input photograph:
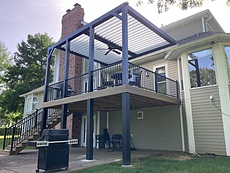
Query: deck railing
[{"x": 111, "y": 76}]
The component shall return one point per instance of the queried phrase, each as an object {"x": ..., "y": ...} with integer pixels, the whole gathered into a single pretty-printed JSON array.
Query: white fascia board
[{"x": 37, "y": 90}]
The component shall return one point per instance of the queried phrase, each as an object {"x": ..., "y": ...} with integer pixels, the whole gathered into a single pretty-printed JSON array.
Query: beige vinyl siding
[
  {"x": 155, "y": 63},
  {"x": 103, "y": 119},
  {"x": 185, "y": 31},
  {"x": 208, "y": 125},
  {"x": 115, "y": 126},
  {"x": 40, "y": 100},
  {"x": 160, "y": 129},
  {"x": 171, "y": 72},
  {"x": 184, "y": 122}
]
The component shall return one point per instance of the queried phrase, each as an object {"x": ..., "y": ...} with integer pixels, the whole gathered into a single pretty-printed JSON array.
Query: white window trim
[
  {"x": 31, "y": 96},
  {"x": 197, "y": 50},
  {"x": 166, "y": 74},
  {"x": 228, "y": 45}
]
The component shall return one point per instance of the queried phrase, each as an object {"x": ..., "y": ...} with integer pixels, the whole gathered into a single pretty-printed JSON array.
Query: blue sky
[{"x": 19, "y": 18}]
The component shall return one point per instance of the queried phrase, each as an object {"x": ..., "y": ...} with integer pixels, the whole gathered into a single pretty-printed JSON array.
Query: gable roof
[{"x": 206, "y": 14}]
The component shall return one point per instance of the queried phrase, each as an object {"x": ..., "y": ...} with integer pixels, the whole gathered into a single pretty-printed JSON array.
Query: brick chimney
[{"x": 71, "y": 21}]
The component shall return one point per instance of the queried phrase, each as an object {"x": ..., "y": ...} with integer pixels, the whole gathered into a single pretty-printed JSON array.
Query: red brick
[{"x": 71, "y": 21}]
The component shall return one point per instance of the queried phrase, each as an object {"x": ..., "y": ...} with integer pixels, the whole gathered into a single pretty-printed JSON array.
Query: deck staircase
[{"x": 17, "y": 136}]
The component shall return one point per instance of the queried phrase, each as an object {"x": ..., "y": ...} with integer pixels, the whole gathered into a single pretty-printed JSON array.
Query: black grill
[{"x": 56, "y": 154}]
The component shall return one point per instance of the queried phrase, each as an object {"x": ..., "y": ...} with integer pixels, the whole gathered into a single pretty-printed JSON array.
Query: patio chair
[
  {"x": 105, "y": 83},
  {"x": 70, "y": 91},
  {"x": 116, "y": 141},
  {"x": 136, "y": 77}
]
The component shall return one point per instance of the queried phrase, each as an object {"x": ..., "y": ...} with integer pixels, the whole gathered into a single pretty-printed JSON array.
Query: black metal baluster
[
  {"x": 12, "y": 139},
  {"x": 4, "y": 140},
  {"x": 156, "y": 84},
  {"x": 36, "y": 117}
]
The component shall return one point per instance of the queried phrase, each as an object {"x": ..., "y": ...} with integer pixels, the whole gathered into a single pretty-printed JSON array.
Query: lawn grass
[
  {"x": 159, "y": 164},
  {"x": 1, "y": 142}
]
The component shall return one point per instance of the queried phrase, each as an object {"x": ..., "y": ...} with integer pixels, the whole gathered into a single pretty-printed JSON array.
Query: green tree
[
  {"x": 207, "y": 77},
  {"x": 163, "y": 5},
  {"x": 26, "y": 74},
  {"x": 4, "y": 61}
]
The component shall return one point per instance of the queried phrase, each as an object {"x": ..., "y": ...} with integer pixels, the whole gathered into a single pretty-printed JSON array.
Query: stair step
[
  {"x": 21, "y": 145},
  {"x": 5, "y": 152}
]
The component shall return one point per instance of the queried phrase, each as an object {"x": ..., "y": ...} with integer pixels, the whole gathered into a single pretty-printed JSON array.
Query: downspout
[{"x": 205, "y": 24}]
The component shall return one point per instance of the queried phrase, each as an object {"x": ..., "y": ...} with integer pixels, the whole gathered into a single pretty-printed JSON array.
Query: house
[{"x": 161, "y": 88}]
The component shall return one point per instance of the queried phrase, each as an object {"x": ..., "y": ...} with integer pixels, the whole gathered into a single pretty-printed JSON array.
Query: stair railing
[{"x": 23, "y": 129}]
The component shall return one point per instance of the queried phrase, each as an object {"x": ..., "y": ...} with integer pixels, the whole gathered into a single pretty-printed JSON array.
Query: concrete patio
[{"x": 26, "y": 161}]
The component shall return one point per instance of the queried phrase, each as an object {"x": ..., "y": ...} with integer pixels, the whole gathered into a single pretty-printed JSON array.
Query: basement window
[{"x": 201, "y": 68}]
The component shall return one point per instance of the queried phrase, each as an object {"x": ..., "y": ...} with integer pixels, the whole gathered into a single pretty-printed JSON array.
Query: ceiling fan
[{"x": 110, "y": 49}]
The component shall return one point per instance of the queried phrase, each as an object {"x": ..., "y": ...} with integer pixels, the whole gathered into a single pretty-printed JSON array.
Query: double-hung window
[{"x": 32, "y": 103}]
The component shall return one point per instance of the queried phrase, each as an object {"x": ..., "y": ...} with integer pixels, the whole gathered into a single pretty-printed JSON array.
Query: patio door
[{"x": 84, "y": 130}]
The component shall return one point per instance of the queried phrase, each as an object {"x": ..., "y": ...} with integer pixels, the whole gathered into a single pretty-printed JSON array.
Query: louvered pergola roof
[{"x": 143, "y": 37}]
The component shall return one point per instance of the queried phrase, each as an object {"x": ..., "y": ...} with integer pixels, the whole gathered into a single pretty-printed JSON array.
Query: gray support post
[
  {"x": 125, "y": 60},
  {"x": 90, "y": 102},
  {"x": 45, "y": 110},
  {"x": 89, "y": 141},
  {"x": 64, "y": 109},
  {"x": 126, "y": 149},
  {"x": 65, "y": 86}
]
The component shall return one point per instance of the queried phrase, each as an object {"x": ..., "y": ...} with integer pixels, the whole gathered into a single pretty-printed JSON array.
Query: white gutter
[{"x": 221, "y": 37}]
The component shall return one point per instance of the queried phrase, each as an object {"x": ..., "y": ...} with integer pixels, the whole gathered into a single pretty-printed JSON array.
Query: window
[
  {"x": 161, "y": 79},
  {"x": 86, "y": 85},
  {"x": 29, "y": 104},
  {"x": 86, "y": 66},
  {"x": 227, "y": 53},
  {"x": 32, "y": 103},
  {"x": 201, "y": 68},
  {"x": 35, "y": 103}
]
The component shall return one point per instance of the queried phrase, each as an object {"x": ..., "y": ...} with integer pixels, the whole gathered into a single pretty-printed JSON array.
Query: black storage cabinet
[{"x": 56, "y": 155}]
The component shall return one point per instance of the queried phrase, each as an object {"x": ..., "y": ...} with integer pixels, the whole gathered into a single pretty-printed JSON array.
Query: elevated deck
[{"x": 109, "y": 99}]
